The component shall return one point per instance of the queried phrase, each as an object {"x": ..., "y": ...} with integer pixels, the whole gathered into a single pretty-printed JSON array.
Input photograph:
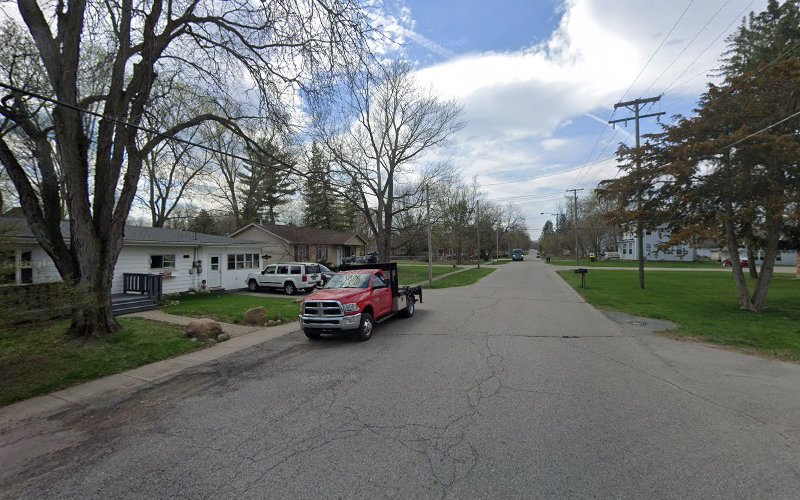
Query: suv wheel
[
  {"x": 366, "y": 327},
  {"x": 253, "y": 285},
  {"x": 289, "y": 288}
]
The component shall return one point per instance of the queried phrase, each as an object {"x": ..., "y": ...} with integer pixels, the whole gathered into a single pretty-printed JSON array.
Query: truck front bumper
[{"x": 331, "y": 323}]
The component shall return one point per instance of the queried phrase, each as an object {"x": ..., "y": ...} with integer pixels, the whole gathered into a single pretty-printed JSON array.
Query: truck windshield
[{"x": 349, "y": 281}]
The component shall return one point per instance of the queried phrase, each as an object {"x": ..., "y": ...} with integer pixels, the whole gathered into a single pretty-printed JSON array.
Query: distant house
[
  {"x": 302, "y": 244},
  {"x": 185, "y": 260},
  {"x": 653, "y": 242}
]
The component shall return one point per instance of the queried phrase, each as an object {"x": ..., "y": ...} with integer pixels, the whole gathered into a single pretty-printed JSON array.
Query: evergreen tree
[
  {"x": 203, "y": 222},
  {"x": 322, "y": 206},
  {"x": 264, "y": 185}
]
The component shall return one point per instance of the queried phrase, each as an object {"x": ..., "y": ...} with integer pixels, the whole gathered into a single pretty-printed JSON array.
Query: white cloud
[{"x": 521, "y": 105}]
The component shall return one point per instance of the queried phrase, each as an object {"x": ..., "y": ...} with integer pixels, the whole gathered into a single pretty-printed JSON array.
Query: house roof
[
  {"x": 18, "y": 228},
  {"x": 306, "y": 235}
]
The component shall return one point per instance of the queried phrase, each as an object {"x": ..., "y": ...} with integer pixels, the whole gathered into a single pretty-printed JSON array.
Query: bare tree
[
  {"x": 377, "y": 138},
  {"x": 124, "y": 48}
]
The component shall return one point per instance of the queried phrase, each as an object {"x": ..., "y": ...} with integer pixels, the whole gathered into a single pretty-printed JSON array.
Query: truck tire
[
  {"x": 252, "y": 285},
  {"x": 409, "y": 310},
  {"x": 289, "y": 288},
  {"x": 366, "y": 327},
  {"x": 311, "y": 334}
]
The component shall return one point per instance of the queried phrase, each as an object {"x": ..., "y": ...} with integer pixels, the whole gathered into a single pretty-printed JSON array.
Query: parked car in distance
[
  {"x": 517, "y": 254},
  {"x": 729, "y": 263},
  {"x": 290, "y": 276}
]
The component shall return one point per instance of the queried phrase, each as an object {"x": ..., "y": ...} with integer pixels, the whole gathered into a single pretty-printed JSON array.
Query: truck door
[{"x": 381, "y": 296}]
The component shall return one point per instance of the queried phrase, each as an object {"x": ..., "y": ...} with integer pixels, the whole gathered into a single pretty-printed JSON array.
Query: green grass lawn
[
  {"x": 416, "y": 273},
  {"x": 38, "y": 358},
  {"x": 704, "y": 305},
  {"x": 632, "y": 263},
  {"x": 498, "y": 262},
  {"x": 230, "y": 308},
  {"x": 464, "y": 278}
]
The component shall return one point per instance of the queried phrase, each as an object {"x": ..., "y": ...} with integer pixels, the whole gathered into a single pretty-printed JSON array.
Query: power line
[
  {"x": 685, "y": 47},
  {"x": 711, "y": 44},
  {"x": 797, "y": 113},
  {"x": 543, "y": 175},
  {"x": 658, "y": 48}
]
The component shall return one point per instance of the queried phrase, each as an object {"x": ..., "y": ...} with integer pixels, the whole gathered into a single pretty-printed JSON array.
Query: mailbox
[{"x": 583, "y": 272}]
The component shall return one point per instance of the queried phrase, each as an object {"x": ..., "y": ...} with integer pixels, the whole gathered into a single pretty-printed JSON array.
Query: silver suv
[{"x": 291, "y": 277}]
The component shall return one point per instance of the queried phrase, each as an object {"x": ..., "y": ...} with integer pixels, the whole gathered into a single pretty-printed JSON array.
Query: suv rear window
[
  {"x": 296, "y": 270},
  {"x": 313, "y": 270}
]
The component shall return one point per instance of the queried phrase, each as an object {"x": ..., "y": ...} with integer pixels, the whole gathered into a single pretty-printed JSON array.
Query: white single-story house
[
  {"x": 302, "y": 244},
  {"x": 185, "y": 260}
]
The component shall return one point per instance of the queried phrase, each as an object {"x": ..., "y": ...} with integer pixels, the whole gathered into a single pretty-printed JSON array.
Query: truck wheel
[
  {"x": 409, "y": 310},
  {"x": 289, "y": 288},
  {"x": 365, "y": 329},
  {"x": 312, "y": 335},
  {"x": 253, "y": 285}
]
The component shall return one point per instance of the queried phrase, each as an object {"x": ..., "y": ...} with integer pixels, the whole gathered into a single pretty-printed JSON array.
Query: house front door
[{"x": 214, "y": 272}]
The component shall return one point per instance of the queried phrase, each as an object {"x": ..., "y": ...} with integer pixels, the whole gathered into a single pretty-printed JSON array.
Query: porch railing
[{"x": 150, "y": 284}]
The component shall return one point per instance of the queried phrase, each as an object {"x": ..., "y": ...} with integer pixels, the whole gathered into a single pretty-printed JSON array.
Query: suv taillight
[{"x": 305, "y": 278}]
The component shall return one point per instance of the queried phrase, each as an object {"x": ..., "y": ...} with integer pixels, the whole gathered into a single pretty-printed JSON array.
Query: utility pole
[
  {"x": 430, "y": 237},
  {"x": 497, "y": 252},
  {"x": 478, "y": 229},
  {"x": 575, "y": 195},
  {"x": 636, "y": 107}
]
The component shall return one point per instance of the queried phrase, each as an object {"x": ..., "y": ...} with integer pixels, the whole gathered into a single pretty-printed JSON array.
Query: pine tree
[
  {"x": 264, "y": 185},
  {"x": 323, "y": 208}
]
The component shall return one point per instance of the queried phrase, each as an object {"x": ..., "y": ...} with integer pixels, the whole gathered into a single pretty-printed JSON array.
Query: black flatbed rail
[{"x": 391, "y": 269}]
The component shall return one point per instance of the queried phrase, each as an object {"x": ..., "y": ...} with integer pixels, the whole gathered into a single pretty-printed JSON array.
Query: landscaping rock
[
  {"x": 203, "y": 329},
  {"x": 255, "y": 316},
  {"x": 222, "y": 337}
]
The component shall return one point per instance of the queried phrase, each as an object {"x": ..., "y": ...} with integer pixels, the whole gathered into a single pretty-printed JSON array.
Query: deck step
[
  {"x": 125, "y": 304},
  {"x": 133, "y": 309}
]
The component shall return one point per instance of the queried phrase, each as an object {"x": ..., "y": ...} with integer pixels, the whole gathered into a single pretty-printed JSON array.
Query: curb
[{"x": 41, "y": 407}]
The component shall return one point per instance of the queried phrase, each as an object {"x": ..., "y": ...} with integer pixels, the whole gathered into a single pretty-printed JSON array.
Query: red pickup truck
[{"x": 356, "y": 299}]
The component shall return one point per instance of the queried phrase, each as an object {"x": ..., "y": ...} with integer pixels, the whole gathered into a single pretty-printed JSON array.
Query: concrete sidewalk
[{"x": 138, "y": 378}]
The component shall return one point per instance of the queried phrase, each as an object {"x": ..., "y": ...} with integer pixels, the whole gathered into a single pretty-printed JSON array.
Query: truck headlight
[{"x": 351, "y": 308}]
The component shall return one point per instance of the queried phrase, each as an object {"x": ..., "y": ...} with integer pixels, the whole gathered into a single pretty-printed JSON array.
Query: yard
[
  {"x": 37, "y": 359},
  {"x": 704, "y": 305},
  {"x": 464, "y": 278},
  {"x": 411, "y": 274},
  {"x": 230, "y": 308},
  {"x": 633, "y": 263}
]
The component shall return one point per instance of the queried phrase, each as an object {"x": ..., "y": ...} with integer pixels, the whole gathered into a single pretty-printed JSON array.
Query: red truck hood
[{"x": 343, "y": 295}]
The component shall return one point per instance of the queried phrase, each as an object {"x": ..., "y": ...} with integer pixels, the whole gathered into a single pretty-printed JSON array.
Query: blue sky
[{"x": 538, "y": 80}]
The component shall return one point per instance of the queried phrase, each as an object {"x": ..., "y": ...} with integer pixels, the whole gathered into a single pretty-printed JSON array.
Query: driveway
[{"x": 514, "y": 387}]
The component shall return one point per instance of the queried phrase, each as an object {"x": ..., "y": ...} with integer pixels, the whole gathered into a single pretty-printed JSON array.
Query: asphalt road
[{"x": 511, "y": 388}]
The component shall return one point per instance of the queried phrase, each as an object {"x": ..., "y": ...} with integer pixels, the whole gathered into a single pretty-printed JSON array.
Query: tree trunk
[
  {"x": 797, "y": 264},
  {"x": 91, "y": 307},
  {"x": 751, "y": 261},
  {"x": 742, "y": 293},
  {"x": 767, "y": 269}
]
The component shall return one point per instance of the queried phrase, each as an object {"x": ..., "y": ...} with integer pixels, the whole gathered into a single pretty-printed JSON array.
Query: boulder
[
  {"x": 203, "y": 329},
  {"x": 222, "y": 337},
  {"x": 256, "y": 316}
]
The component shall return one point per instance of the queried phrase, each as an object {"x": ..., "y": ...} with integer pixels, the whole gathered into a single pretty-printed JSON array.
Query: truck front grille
[{"x": 322, "y": 308}]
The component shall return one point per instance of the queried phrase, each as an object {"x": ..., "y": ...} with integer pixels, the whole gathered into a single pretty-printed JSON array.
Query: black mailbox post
[{"x": 583, "y": 272}]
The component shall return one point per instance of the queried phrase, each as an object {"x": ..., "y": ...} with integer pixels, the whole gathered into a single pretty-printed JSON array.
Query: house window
[
  {"x": 302, "y": 253},
  {"x": 243, "y": 261},
  {"x": 322, "y": 252},
  {"x": 162, "y": 261},
  {"x": 648, "y": 247},
  {"x": 26, "y": 267},
  {"x": 678, "y": 250}
]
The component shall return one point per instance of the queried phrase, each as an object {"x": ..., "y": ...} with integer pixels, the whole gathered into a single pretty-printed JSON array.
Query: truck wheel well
[{"x": 368, "y": 309}]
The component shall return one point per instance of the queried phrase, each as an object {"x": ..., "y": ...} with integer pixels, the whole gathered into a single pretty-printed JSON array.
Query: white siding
[
  {"x": 136, "y": 259},
  {"x": 232, "y": 278}
]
